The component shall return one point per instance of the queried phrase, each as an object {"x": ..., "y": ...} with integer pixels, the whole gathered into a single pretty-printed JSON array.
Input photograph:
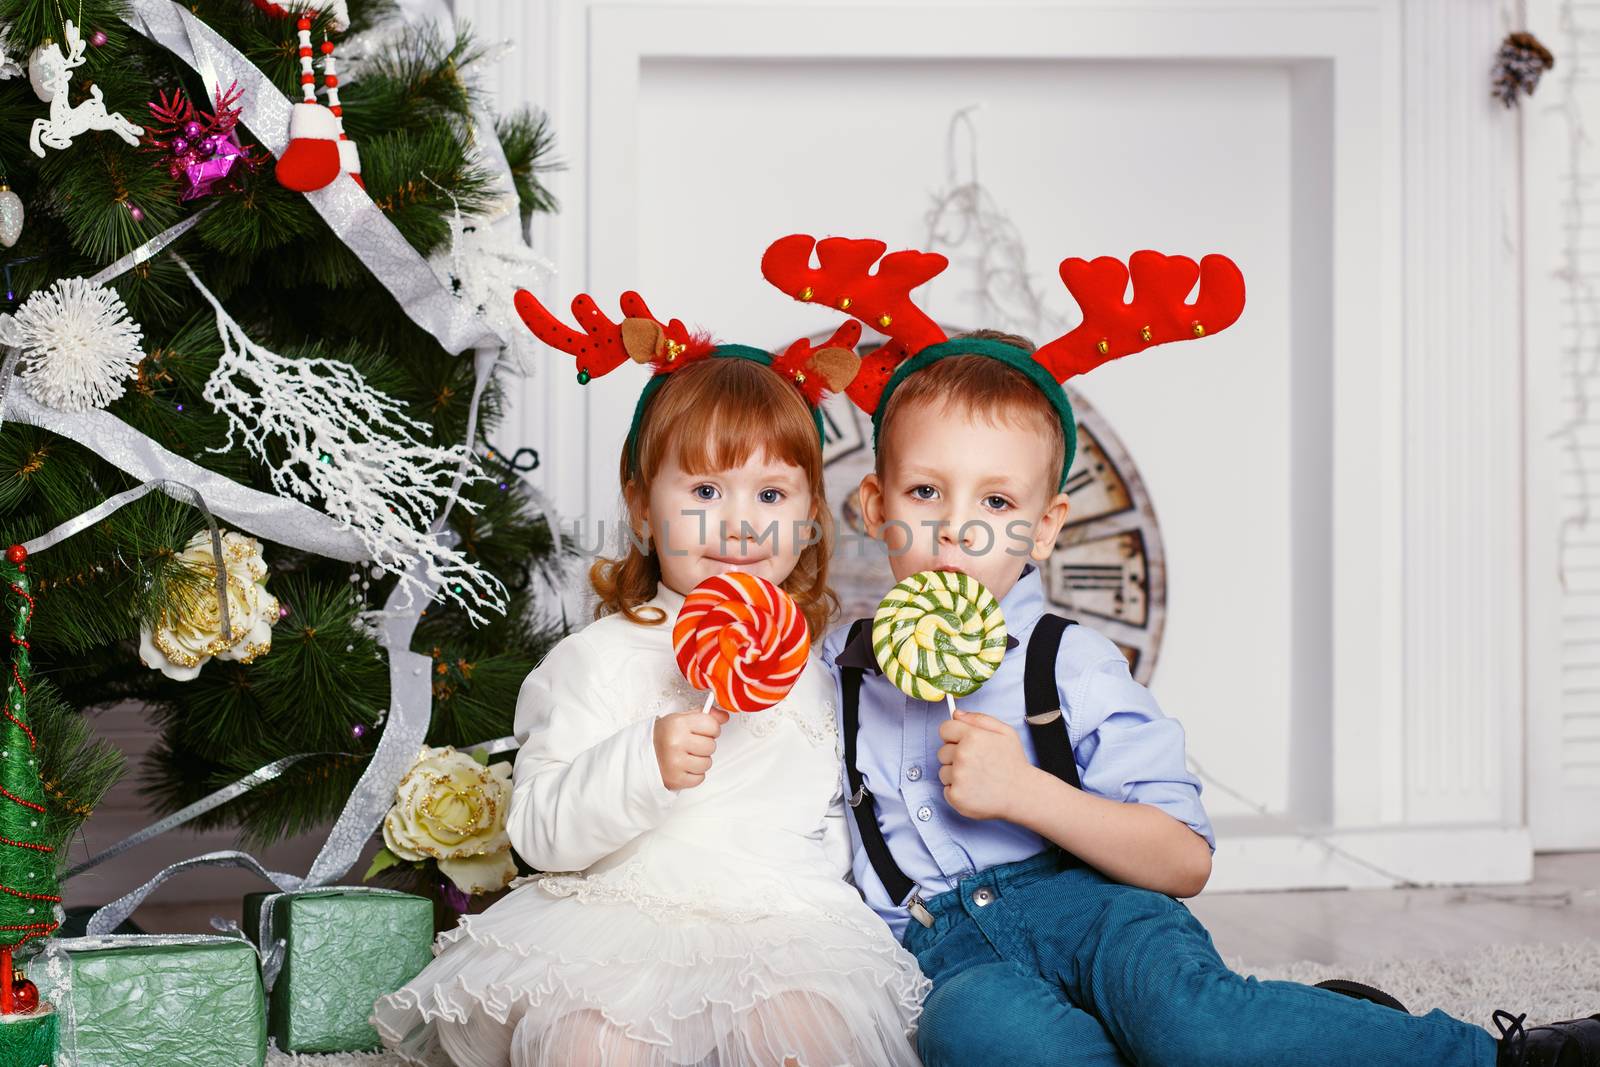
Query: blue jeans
[{"x": 1040, "y": 962}]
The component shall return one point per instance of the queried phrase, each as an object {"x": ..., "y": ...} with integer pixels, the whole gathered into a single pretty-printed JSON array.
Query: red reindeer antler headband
[
  {"x": 600, "y": 346},
  {"x": 1112, "y": 326}
]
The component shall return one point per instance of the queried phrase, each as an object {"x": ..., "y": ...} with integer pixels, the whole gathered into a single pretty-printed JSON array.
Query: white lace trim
[
  {"x": 819, "y": 728},
  {"x": 678, "y": 695}
]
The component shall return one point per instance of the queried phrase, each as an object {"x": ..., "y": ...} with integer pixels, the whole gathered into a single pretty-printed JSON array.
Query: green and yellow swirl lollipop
[{"x": 939, "y": 633}]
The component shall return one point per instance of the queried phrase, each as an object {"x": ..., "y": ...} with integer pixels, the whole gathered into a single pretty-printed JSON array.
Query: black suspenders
[
  {"x": 1047, "y": 725},
  {"x": 1042, "y": 700},
  {"x": 889, "y": 873}
]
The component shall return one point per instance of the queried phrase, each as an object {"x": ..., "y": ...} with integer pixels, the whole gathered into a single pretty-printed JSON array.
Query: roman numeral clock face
[{"x": 1106, "y": 570}]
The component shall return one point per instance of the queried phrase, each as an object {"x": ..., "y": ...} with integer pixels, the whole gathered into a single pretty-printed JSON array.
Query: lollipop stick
[
  {"x": 950, "y": 700},
  {"x": 710, "y": 699}
]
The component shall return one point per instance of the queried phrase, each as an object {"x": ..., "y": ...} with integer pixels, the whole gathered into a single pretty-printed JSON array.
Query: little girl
[{"x": 709, "y": 921}]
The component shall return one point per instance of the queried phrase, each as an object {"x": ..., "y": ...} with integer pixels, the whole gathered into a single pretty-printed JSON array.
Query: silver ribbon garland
[
  {"x": 266, "y": 515},
  {"x": 345, "y": 206},
  {"x": 259, "y": 776},
  {"x": 149, "y": 249},
  {"x": 178, "y": 491},
  {"x": 410, "y": 710},
  {"x": 116, "y": 913}
]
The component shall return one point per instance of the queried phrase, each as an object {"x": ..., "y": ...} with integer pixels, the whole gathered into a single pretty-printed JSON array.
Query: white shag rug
[{"x": 1549, "y": 982}]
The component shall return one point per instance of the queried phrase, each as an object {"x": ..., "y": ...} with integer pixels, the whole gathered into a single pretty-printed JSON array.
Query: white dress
[{"x": 708, "y": 926}]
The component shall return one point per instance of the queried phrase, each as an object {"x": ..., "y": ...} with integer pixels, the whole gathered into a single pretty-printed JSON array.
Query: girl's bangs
[{"x": 718, "y": 417}]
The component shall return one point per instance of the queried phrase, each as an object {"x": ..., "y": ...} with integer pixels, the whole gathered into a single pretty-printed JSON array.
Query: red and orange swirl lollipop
[{"x": 743, "y": 639}]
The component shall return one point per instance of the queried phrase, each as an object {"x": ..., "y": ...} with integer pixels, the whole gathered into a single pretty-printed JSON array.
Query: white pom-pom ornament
[{"x": 79, "y": 347}]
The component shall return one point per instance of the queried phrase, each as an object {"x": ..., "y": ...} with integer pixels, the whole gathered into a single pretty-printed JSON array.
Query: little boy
[{"x": 1029, "y": 850}]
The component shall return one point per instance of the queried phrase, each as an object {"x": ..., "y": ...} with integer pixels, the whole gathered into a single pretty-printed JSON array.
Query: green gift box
[
  {"x": 343, "y": 948},
  {"x": 141, "y": 1000}
]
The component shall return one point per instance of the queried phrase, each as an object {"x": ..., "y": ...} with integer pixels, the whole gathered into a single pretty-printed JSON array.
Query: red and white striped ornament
[{"x": 319, "y": 150}]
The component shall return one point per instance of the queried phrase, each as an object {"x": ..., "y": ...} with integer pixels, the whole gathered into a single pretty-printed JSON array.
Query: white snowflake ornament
[
  {"x": 65, "y": 121},
  {"x": 79, "y": 347}
]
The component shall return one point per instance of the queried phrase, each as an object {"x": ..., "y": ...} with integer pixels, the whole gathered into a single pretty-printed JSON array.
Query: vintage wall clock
[{"x": 1108, "y": 569}]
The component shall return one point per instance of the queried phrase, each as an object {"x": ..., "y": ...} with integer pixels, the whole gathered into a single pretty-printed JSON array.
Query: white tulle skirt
[{"x": 577, "y": 972}]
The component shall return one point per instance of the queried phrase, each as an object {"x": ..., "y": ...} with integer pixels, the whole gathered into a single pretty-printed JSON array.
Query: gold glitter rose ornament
[
  {"x": 189, "y": 632},
  {"x": 452, "y": 809}
]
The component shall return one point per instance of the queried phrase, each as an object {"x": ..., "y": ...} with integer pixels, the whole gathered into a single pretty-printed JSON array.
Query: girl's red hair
[{"x": 714, "y": 414}]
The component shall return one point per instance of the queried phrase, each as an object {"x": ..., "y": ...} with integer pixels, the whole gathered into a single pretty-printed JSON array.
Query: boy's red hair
[{"x": 979, "y": 386}]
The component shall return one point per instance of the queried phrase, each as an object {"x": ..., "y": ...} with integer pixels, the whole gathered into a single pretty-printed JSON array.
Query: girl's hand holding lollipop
[{"x": 744, "y": 641}]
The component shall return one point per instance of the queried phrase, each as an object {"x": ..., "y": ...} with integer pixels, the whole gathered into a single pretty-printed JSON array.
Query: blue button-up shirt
[{"x": 1124, "y": 747}]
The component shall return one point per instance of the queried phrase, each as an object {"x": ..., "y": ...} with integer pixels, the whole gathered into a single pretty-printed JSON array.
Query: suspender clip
[
  {"x": 859, "y": 795},
  {"x": 919, "y": 910}
]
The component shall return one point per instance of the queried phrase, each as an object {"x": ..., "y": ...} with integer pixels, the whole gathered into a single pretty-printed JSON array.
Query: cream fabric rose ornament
[
  {"x": 190, "y": 632},
  {"x": 452, "y": 809}
]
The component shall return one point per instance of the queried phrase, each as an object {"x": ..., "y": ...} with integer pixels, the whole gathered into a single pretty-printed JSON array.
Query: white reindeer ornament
[{"x": 65, "y": 121}]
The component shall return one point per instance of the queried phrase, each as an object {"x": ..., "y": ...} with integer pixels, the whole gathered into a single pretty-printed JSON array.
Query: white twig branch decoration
[{"x": 352, "y": 449}]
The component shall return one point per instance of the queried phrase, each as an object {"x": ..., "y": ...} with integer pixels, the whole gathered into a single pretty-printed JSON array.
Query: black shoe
[
  {"x": 1574, "y": 1043},
  {"x": 1345, "y": 987}
]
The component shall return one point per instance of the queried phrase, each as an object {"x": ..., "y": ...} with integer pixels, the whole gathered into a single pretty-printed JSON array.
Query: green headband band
[
  {"x": 1011, "y": 356},
  {"x": 749, "y": 352}
]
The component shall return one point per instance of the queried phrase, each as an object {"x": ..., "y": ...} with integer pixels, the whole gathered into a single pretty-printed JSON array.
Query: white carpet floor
[{"x": 1549, "y": 982}]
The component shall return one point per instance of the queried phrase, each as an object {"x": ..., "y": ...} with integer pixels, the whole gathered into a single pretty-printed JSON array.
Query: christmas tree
[
  {"x": 263, "y": 349},
  {"x": 41, "y": 803},
  {"x": 28, "y": 890}
]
